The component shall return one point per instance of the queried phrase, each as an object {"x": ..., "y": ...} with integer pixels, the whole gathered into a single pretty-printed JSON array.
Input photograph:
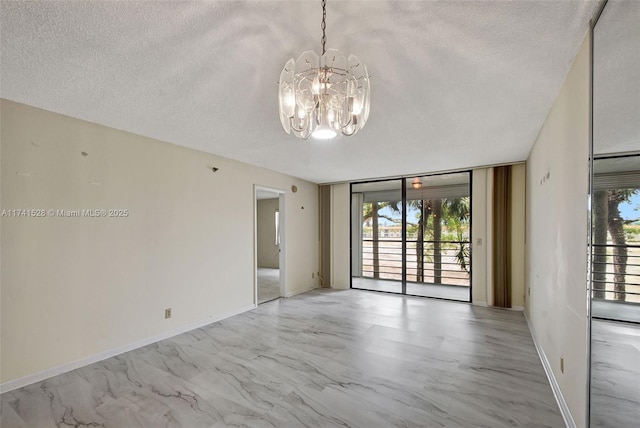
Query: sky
[{"x": 631, "y": 210}]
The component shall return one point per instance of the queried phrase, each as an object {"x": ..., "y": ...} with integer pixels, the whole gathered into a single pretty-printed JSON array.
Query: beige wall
[
  {"x": 76, "y": 287},
  {"x": 480, "y": 235},
  {"x": 518, "y": 213},
  {"x": 340, "y": 236},
  {"x": 268, "y": 251},
  {"x": 556, "y": 235}
]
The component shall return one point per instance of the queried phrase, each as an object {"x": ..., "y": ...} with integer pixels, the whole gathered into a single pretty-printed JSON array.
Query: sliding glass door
[
  {"x": 438, "y": 236},
  {"x": 412, "y": 236},
  {"x": 376, "y": 236}
]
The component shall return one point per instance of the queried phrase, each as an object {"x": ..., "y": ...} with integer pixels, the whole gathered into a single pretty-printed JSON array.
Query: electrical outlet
[
  {"x": 561, "y": 364},
  {"x": 313, "y": 275},
  {"x": 167, "y": 313}
]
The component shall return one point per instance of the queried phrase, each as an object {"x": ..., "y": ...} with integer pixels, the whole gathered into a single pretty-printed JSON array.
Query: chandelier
[{"x": 326, "y": 95}]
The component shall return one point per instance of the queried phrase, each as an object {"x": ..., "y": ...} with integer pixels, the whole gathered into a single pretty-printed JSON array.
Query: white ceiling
[
  {"x": 616, "y": 79},
  {"x": 455, "y": 84}
]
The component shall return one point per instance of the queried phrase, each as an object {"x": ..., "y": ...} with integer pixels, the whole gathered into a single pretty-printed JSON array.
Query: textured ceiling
[
  {"x": 616, "y": 79},
  {"x": 455, "y": 84}
]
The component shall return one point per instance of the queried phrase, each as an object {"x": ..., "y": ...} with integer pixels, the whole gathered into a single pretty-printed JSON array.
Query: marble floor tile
[
  {"x": 615, "y": 374},
  {"x": 326, "y": 358},
  {"x": 268, "y": 284},
  {"x": 440, "y": 291}
]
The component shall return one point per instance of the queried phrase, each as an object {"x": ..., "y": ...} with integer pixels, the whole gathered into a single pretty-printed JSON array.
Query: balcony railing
[
  {"x": 437, "y": 262},
  {"x": 615, "y": 278}
]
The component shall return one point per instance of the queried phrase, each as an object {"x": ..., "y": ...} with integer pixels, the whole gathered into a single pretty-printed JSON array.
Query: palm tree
[
  {"x": 615, "y": 224},
  {"x": 422, "y": 207},
  {"x": 600, "y": 211},
  {"x": 453, "y": 212},
  {"x": 456, "y": 214},
  {"x": 375, "y": 248},
  {"x": 371, "y": 210},
  {"x": 607, "y": 218},
  {"x": 436, "y": 211}
]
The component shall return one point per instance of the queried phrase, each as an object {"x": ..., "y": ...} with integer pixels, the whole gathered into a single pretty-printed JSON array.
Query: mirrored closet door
[{"x": 615, "y": 218}]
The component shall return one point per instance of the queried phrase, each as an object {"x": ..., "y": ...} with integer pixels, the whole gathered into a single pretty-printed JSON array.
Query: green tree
[
  {"x": 601, "y": 213},
  {"x": 432, "y": 215},
  {"x": 453, "y": 212},
  {"x": 436, "y": 212},
  {"x": 615, "y": 224},
  {"x": 371, "y": 211},
  {"x": 422, "y": 219},
  {"x": 456, "y": 215},
  {"x": 608, "y": 220}
]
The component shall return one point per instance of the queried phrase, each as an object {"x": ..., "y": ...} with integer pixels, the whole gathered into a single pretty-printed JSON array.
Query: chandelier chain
[{"x": 324, "y": 26}]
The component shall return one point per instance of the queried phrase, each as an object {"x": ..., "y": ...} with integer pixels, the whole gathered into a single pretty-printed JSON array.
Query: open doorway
[{"x": 269, "y": 244}]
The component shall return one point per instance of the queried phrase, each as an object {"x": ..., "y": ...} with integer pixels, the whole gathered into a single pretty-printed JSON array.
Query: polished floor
[
  {"x": 325, "y": 358},
  {"x": 615, "y": 378},
  {"x": 616, "y": 311},
  {"x": 440, "y": 291},
  {"x": 268, "y": 284}
]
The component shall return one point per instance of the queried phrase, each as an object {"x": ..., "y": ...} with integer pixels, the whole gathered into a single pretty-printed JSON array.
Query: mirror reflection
[
  {"x": 615, "y": 209},
  {"x": 615, "y": 305}
]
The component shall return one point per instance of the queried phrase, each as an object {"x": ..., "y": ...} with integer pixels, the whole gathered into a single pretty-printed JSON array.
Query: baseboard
[
  {"x": 295, "y": 293},
  {"x": 555, "y": 387},
  {"x": 513, "y": 308},
  {"x": 64, "y": 368}
]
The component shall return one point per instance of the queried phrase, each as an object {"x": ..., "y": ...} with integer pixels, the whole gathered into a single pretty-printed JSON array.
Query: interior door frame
[{"x": 282, "y": 250}]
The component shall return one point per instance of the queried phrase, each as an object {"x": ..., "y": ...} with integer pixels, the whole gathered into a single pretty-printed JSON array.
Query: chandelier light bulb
[
  {"x": 315, "y": 86},
  {"x": 290, "y": 100},
  {"x": 323, "y": 96},
  {"x": 322, "y": 133},
  {"x": 357, "y": 107}
]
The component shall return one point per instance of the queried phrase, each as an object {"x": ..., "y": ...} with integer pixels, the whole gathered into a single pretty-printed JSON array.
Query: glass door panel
[
  {"x": 376, "y": 236},
  {"x": 412, "y": 236},
  {"x": 438, "y": 231}
]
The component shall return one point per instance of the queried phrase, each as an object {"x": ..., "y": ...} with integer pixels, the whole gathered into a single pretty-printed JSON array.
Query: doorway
[{"x": 269, "y": 244}]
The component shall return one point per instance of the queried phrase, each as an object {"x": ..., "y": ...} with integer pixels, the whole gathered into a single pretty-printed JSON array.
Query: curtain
[
  {"x": 325, "y": 235},
  {"x": 501, "y": 257}
]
